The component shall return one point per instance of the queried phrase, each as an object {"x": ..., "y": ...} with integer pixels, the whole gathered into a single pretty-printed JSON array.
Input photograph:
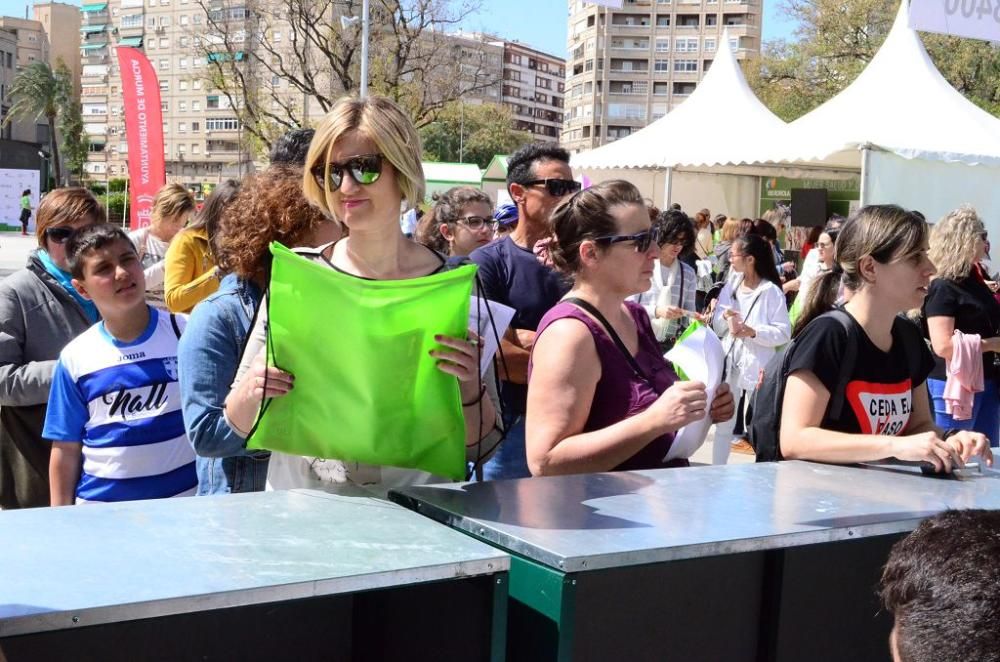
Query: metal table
[
  {"x": 298, "y": 575},
  {"x": 776, "y": 561}
]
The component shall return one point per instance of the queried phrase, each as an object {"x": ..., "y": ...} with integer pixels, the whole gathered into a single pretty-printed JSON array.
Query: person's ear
[
  {"x": 446, "y": 232},
  {"x": 867, "y": 268},
  {"x": 516, "y": 193},
  {"x": 81, "y": 288},
  {"x": 588, "y": 253}
]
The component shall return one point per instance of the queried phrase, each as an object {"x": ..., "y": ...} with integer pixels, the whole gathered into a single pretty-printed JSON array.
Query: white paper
[
  {"x": 701, "y": 358},
  {"x": 480, "y": 312}
]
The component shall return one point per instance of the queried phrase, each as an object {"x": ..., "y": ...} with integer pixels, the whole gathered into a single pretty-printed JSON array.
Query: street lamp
[{"x": 350, "y": 20}]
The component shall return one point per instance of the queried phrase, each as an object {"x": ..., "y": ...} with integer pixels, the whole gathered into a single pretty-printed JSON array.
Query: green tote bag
[{"x": 366, "y": 388}]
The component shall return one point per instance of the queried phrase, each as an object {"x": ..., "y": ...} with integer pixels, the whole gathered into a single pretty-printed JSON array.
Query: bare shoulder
[{"x": 566, "y": 343}]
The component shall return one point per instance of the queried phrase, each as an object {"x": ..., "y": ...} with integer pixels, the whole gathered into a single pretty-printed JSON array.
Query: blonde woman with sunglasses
[{"x": 363, "y": 166}]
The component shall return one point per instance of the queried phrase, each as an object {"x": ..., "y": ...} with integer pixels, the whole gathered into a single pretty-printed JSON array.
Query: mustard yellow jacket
[{"x": 190, "y": 273}]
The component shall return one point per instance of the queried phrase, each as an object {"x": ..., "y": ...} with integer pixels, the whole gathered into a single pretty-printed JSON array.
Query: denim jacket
[{"x": 208, "y": 354}]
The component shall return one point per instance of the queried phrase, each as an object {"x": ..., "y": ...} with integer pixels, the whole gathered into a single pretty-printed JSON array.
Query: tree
[
  {"x": 836, "y": 39},
  {"x": 35, "y": 93},
  {"x": 282, "y": 64},
  {"x": 75, "y": 143},
  {"x": 472, "y": 133}
]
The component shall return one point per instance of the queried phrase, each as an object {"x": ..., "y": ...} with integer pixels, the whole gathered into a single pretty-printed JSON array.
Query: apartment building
[
  {"x": 61, "y": 23},
  {"x": 533, "y": 85},
  {"x": 628, "y": 67},
  {"x": 30, "y": 44}
]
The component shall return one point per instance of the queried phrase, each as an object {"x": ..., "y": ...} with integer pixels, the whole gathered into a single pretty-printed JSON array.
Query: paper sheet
[
  {"x": 701, "y": 357},
  {"x": 479, "y": 319}
]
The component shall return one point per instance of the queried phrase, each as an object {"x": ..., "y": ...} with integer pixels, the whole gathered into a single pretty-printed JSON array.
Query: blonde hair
[
  {"x": 379, "y": 120},
  {"x": 171, "y": 200},
  {"x": 64, "y": 206},
  {"x": 730, "y": 229},
  {"x": 953, "y": 242}
]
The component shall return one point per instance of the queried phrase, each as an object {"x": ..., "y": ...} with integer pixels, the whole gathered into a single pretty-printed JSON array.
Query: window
[
  {"x": 183, "y": 85},
  {"x": 277, "y": 36},
  {"x": 151, "y": 22},
  {"x": 195, "y": 148},
  {"x": 164, "y": 64},
  {"x": 164, "y": 106},
  {"x": 686, "y": 66},
  {"x": 709, "y": 44},
  {"x": 164, "y": 42},
  {"x": 164, "y": 86},
  {"x": 660, "y": 89},
  {"x": 662, "y": 45},
  {"x": 212, "y": 102},
  {"x": 196, "y": 105},
  {"x": 182, "y": 127},
  {"x": 164, "y": 21},
  {"x": 184, "y": 19},
  {"x": 182, "y": 106},
  {"x": 132, "y": 21},
  {"x": 661, "y": 65},
  {"x": 663, "y": 21},
  {"x": 222, "y": 124},
  {"x": 196, "y": 19},
  {"x": 686, "y": 44},
  {"x": 196, "y": 126},
  {"x": 183, "y": 64}
]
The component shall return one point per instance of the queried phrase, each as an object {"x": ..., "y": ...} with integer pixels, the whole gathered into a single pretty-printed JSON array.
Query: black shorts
[{"x": 25, "y": 215}]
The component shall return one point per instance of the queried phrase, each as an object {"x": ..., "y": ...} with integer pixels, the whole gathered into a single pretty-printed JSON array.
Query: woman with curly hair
[
  {"x": 270, "y": 207},
  {"x": 460, "y": 222},
  {"x": 959, "y": 300}
]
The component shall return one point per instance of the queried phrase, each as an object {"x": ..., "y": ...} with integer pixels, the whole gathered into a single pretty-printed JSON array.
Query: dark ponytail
[
  {"x": 821, "y": 298},
  {"x": 759, "y": 249}
]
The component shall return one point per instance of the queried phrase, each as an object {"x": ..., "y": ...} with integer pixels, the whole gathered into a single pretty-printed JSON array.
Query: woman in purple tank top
[{"x": 601, "y": 397}]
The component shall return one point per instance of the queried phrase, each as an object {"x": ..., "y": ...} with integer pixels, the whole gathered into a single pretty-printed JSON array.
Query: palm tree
[{"x": 35, "y": 93}]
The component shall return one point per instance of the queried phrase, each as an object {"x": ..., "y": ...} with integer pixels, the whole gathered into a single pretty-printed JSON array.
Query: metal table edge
[
  {"x": 65, "y": 619},
  {"x": 608, "y": 560}
]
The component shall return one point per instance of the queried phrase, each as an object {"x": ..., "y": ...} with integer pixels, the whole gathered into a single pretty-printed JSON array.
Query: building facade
[
  {"x": 628, "y": 67},
  {"x": 533, "y": 86},
  {"x": 31, "y": 45}
]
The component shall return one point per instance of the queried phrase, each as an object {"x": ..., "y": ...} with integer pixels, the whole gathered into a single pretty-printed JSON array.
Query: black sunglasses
[
  {"x": 557, "y": 188},
  {"x": 364, "y": 169},
  {"x": 59, "y": 235},
  {"x": 642, "y": 239},
  {"x": 477, "y": 222}
]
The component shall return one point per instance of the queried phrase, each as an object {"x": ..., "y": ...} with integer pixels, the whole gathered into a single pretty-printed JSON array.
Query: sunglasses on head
[
  {"x": 642, "y": 240},
  {"x": 477, "y": 222},
  {"x": 364, "y": 169},
  {"x": 557, "y": 188},
  {"x": 58, "y": 235}
]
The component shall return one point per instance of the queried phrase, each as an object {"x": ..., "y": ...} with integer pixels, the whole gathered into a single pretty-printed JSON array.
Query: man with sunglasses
[{"x": 538, "y": 178}]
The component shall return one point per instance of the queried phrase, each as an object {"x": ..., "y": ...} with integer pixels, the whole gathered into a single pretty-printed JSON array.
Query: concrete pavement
[{"x": 14, "y": 251}]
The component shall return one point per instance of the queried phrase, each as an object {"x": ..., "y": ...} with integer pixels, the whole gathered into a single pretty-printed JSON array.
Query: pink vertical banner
[{"x": 144, "y": 133}]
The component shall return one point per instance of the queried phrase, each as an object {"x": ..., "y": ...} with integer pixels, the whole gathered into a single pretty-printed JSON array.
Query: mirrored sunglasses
[
  {"x": 557, "y": 188},
  {"x": 364, "y": 169}
]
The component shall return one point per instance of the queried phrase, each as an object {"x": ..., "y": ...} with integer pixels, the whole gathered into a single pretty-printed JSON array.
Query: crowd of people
[{"x": 135, "y": 366}]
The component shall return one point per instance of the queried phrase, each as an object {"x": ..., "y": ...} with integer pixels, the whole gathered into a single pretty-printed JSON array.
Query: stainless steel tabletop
[
  {"x": 593, "y": 521},
  {"x": 89, "y": 564}
]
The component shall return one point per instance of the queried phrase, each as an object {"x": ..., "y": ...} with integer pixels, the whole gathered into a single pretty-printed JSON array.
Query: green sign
[{"x": 839, "y": 192}]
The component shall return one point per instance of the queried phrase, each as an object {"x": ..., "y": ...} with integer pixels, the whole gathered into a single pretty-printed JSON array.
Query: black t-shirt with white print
[{"x": 879, "y": 396}]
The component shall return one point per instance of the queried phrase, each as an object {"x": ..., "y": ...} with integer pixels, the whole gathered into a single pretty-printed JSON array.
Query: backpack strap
[
  {"x": 586, "y": 305},
  {"x": 173, "y": 323},
  {"x": 847, "y": 361}
]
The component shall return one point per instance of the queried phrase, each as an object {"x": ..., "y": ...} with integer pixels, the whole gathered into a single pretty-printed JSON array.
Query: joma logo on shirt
[
  {"x": 132, "y": 357},
  {"x": 125, "y": 403}
]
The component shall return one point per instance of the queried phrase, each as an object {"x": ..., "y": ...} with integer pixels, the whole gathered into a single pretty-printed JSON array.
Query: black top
[
  {"x": 879, "y": 394},
  {"x": 975, "y": 310}
]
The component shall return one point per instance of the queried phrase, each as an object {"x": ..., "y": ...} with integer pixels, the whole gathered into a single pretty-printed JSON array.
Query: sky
[{"x": 537, "y": 23}]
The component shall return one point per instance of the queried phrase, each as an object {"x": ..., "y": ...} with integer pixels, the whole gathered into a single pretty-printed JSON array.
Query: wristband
[{"x": 950, "y": 432}]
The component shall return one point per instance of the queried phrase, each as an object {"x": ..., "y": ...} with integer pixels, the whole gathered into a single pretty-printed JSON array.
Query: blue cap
[{"x": 506, "y": 214}]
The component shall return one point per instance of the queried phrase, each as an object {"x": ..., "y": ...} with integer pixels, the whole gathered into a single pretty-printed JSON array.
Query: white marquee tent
[
  {"x": 699, "y": 154},
  {"x": 917, "y": 140}
]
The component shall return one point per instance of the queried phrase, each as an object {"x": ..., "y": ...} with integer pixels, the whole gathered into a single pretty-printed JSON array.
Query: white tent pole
[
  {"x": 667, "y": 187},
  {"x": 865, "y": 163}
]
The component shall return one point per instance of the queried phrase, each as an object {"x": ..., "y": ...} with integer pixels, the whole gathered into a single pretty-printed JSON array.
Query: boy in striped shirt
[{"x": 114, "y": 414}]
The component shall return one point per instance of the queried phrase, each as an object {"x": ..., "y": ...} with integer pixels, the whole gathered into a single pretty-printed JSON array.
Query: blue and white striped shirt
[{"x": 122, "y": 402}]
